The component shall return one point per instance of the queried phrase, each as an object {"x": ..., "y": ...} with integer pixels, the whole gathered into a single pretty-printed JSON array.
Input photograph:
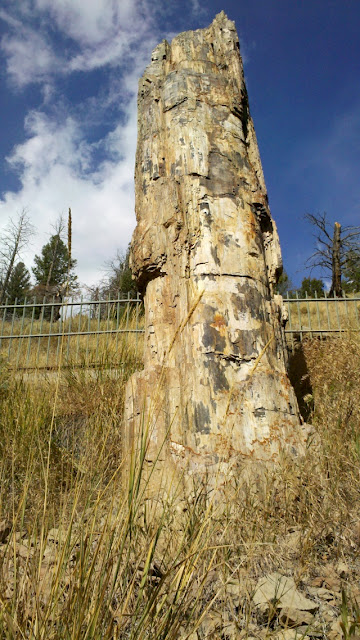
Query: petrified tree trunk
[{"x": 214, "y": 388}]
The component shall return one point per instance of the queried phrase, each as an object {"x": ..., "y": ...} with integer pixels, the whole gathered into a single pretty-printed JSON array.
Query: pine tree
[
  {"x": 19, "y": 284},
  {"x": 311, "y": 288},
  {"x": 284, "y": 284},
  {"x": 53, "y": 267},
  {"x": 351, "y": 282}
]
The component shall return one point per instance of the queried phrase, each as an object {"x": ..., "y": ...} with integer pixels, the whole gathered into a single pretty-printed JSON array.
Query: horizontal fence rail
[{"x": 47, "y": 334}]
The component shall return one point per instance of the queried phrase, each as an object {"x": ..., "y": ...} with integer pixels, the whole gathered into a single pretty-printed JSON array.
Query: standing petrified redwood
[{"x": 206, "y": 252}]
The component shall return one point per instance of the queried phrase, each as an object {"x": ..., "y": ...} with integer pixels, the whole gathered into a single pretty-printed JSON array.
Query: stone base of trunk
[{"x": 176, "y": 456}]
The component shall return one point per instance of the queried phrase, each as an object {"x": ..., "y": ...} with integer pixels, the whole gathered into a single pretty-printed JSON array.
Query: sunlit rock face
[{"x": 206, "y": 253}]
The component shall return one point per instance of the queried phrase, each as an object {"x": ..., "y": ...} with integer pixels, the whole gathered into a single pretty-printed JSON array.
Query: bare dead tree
[
  {"x": 118, "y": 276},
  {"x": 334, "y": 246},
  {"x": 15, "y": 237},
  {"x": 59, "y": 230},
  {"x": 95, "y": 293}
]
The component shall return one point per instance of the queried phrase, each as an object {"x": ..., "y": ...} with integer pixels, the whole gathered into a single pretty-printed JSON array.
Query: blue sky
[{"x": 69, "y": 72}]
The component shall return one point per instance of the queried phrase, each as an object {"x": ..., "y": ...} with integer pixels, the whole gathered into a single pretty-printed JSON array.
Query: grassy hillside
[{"x": 82, "y": 554}]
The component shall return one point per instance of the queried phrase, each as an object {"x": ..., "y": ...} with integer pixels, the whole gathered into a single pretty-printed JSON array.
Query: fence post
[
  {"x": 327, "y": 311},
  {"x": 106, "y": 350},
  {"x": 346, "y": 310},
  {"x": 137, "y": 323},
  {"x": 118, "y": 308},
  {"x": 336, "y": 303},
  {"x": 50, "y": 330},
  {"x": 31, "y": 330},
  {"x": 318, "y": 311},
  {"x": 88, "y": 335},
  {"x": 98, "y": 332},
  {"x": 308, "y": 313},
  {"x": 60, "y": 345},
  {"x": 79, "y": 329},
  {"x": 127, "y": 318},
  {"x": 21, "y": 333},
  {"x": 69, "y": 326},
  {"x": 40, "y": 330},
  {"x": 299, "y": 316},
  {"x": 12, "y": 327},
  {"x": 3, "y": 320},
  {"x": 357, "y": 313}
]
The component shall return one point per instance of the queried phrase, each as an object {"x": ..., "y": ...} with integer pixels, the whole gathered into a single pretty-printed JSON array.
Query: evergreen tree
[
  {"x": 284, "y": 284},
  {"x": 53, "y": 267},
  {"x": 311, "y": 287},
  {"x": 19, "y": 284},
  {"x": 351, "y": 272}
]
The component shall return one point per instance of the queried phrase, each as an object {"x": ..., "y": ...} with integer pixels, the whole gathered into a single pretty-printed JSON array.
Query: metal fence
[
  {"x": 48, "y": 334},
  {"x": 310, "y": 317}
]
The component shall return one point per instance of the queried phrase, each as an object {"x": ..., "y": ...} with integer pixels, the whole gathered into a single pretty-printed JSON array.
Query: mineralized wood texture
[{"x": 205, "y": 250}]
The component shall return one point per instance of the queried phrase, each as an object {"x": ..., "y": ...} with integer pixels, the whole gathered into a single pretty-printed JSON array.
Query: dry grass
[
  {"x": 95, "y": 349},
  {"x": 87, "y": 557}
]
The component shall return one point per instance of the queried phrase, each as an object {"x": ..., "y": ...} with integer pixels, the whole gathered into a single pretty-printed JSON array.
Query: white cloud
[
  {"x": 29, "y": 57},
  {"x": 10, "y": 20},
  {"x": 108, "y": 37},
  {"x": 92, "y": 22},
  {"x": 58, "y": 164},
  {"x": 98, "y": 33},
  {"x": 198, "y": 9},
  {"x": 54, "y": 167}
]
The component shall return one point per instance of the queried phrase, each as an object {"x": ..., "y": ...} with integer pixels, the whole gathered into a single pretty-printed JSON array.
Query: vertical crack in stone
[{"x": 205, "y": 233}]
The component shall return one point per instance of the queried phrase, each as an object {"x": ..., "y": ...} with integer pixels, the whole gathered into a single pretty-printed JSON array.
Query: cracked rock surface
[{"x": 206, "y": 253}]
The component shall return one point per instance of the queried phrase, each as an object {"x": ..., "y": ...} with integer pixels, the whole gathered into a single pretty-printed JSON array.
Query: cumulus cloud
[
  {"x": 54, "y": 166},
  {"x": 100, "y": 20},
  {"x": 78, "y": 153},
  {"x": 29, "y": 57},
  {"x": 95, "y": 34}
]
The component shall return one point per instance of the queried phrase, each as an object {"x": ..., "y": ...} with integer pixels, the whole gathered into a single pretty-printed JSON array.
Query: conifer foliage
[
  {"x": 54, "y": 267},
  {"x": 19, "y": 284}
]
